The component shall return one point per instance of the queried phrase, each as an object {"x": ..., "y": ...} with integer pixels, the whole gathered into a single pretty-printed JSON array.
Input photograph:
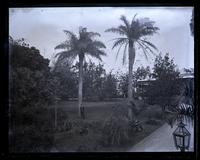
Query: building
[{"x": 187, "y": 78}]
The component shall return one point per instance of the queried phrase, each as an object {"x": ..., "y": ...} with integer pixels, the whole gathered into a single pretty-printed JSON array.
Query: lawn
[{"x": 86, "y": 135}]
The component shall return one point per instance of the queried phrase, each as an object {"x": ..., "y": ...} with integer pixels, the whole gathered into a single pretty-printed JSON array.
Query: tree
[
  {"x": 164, "y": 68},
  {"x": 167, "y": 84},
  {"x": 80, "y": 46},
  {"x": 30, "y": 91},
  {"x": 97, "y": 85},
  {"x": 109, "y": 87},
  {"x": 141, "y": 73},
  {"x": 67, "y": 79},
  {"x": 133, "y": 34}
]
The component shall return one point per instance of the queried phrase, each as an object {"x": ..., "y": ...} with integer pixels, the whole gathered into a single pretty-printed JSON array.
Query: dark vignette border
[{"x": 5, "y": 5}]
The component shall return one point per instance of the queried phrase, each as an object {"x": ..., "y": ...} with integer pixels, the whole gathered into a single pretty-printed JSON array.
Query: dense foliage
[
  {"x": 97, "y": 84},
  {"x": 66, "y": 77},
  {"x": 166, "y": 84},
  {"x": 31, "y": 88},
  {"x": 141, "y": 73}
]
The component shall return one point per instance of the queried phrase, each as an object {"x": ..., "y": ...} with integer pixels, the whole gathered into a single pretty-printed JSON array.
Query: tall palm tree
[
  {"x": 133, "y": 34},
  {"x": 80, "y": 46}
]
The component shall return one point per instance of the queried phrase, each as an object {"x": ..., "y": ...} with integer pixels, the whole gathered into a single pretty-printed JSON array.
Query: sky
[{"x": 43, "y": 28}]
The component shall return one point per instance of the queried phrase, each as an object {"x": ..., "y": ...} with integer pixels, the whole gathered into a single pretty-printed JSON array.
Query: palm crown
[
  {"x": 136, "y": 32},
  {"x": 80, "y": 46}
]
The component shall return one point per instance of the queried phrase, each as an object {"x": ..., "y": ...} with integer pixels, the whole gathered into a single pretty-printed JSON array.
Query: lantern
[{"x": 181, "y": 137}]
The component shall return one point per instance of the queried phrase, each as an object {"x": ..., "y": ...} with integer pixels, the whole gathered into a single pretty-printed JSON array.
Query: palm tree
[
  {"x": 133, "y": 34},
  {"x": 80, "y": 46}
]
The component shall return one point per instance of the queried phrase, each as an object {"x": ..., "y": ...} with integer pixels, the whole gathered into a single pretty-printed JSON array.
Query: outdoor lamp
[{"x": 181, "y": 137}]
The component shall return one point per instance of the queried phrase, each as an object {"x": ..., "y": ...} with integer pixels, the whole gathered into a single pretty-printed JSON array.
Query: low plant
[{"x": 116, "y": 128}]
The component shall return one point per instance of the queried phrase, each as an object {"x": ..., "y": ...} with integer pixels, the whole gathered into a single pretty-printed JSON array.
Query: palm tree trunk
[
  {"x": 80, "y": 87},
  {"x": 130, "y": 78},
  {"x": 130, "y": 75}
]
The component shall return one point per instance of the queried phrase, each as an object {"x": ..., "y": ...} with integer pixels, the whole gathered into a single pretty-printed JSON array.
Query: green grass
[{"x": 96, "y": 114}]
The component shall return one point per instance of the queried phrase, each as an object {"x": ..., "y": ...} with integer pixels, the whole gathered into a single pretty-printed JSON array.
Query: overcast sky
[{"x": 43, "y": 28}]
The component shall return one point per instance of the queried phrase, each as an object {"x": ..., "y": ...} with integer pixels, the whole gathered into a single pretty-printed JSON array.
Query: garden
[{"x": 78, "y": 106}]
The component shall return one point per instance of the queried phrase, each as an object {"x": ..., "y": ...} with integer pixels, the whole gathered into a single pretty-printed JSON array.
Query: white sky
[{"x": 43, "y": 28}]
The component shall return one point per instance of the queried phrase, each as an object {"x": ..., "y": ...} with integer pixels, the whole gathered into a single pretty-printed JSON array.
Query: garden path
[{"x": 161, "y": 140}]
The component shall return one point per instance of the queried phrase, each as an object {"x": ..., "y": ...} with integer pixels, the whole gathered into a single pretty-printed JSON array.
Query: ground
[
  {"x": 154, "y": 142},
  {"x": 96, "y": 113}
]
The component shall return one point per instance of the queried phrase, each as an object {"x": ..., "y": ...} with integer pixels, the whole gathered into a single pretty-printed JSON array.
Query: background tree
[
  {"x": 167, "y": 85},
  {"x": 97, "y": 84},
  {"x": 139, "y": 74},
  {"x": 134, "y": 33},
  {"x": 80, "y": 46},
  {"x": 67, "y": 79},
  {"x": 110, "y": 86}
]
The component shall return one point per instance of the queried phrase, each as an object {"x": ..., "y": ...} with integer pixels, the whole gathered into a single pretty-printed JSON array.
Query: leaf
[
  {"x": 150, "y": 44},
  {"x": 116, "y": 30},
  {"x": 126, "y": 22},
  {"x": 63, "y": 45},
  {"x": 119, "y": 41}
]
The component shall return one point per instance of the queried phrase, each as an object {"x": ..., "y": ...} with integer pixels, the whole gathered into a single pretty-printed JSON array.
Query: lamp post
[{"x": 181, "y": 137}]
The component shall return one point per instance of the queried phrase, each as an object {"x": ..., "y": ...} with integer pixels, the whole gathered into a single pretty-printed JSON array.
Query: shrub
[
  {"x": 115, "y": 131},
  {"x": 116, "y": 128},
  {"x": 32, "y": 134}
]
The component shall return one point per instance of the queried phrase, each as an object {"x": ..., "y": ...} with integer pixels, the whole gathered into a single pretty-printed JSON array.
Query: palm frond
[
  {"x": 126, "y": 22},
  {"x": 63, "y": 45},
  {"x": 124, "y": 29},
  {"x": 98, "y": 44},
  {"x": 119, "y": 41},
  {"x": 66, "y": 54},
  {"x": 93, "y": 34},
  {"x": 150, "y": 44},
  {"x": 118, "y": 51},
  {"x": 98, "y": 54},
  {"x": 102, "y": 52},
  {"x": 147, "y": 48},
  {"x": 144, "y": 51},
  {"x": 71, "y": 34},
  {"x": 115, "y": 30},
  {"x": 133, "y": 20}
]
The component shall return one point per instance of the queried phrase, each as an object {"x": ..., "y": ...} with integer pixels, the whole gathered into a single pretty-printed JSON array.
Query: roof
[
  {"x": 145, "y": 80},
  {"x": 153, "y": 79},
  {"x": 187, "y": 76}
]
